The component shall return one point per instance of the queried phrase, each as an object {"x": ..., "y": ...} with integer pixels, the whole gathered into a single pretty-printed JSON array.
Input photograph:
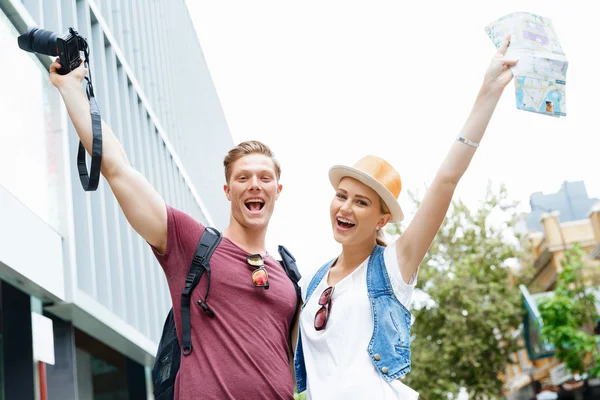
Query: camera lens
[{"x": 37, "y": 40}]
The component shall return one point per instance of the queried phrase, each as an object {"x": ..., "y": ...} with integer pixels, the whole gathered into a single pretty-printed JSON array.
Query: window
[{"x": 28, "y": 134}]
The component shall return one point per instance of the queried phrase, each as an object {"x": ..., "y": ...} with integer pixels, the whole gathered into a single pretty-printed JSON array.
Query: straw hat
[{"x": 377, "y": 174}]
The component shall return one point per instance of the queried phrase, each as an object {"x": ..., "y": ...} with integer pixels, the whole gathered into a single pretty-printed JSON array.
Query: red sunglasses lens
[
  {"x": 260, "y": 278},
  {"x": 321, "y": 318},
  {"x": 325, "y": 296}
]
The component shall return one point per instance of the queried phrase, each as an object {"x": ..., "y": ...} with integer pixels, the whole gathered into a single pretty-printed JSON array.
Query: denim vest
[{"x": 389, "y": 347}]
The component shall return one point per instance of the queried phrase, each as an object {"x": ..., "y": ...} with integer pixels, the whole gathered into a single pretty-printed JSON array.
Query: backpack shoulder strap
[
  {"x": 291, "y": 269},
  {"x": 289, "y": 264},
  {"x": 209, "y": 241}
]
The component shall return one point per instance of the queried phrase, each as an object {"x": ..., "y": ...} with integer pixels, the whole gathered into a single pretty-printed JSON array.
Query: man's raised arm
[{"x": 142, "y": 205}]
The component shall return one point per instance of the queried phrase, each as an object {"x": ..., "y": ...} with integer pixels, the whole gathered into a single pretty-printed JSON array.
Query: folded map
[{"x": 541, "y": 74}]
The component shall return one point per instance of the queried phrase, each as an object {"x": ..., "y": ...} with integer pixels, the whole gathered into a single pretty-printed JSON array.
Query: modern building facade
[{"x": 83, "y": 300}]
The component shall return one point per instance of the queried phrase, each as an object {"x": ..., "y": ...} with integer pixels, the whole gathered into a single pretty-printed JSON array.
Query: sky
[{"x": 327, "y": 82}]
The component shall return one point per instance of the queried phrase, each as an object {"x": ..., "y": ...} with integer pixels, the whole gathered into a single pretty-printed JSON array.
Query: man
[{"x": 244, "y": 351}]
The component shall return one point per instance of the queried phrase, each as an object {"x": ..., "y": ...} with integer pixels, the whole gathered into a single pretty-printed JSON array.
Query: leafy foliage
[
  {"x": 463, "y": 333},
  {"x": 569, "y": 315},
  {"x": 299, "y": 396}
]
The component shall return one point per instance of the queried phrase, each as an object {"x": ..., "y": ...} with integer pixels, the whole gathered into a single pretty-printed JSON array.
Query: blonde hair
[
  {"x": 380, "y": 239},
  {"x": 246, "y": 148}
]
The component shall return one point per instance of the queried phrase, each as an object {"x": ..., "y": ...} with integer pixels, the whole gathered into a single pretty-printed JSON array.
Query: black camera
[{"x": 66, "y": 47}]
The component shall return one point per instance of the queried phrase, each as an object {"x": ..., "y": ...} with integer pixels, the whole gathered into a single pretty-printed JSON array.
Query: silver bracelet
[{"x": 467, "y": 141}]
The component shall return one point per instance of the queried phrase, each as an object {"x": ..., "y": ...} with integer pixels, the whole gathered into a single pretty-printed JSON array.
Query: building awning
[
  {"x": 595, "y": 253},
  {"x": 532, "y": 325}
]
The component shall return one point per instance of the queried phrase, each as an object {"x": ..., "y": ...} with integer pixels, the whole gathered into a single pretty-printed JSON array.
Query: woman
[{"x": 354, "y": 334}]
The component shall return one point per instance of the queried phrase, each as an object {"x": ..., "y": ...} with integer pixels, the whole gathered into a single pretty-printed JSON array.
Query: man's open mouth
[
  {"x": 254, "y": 205},
  {"x": 344, "y": 223}
]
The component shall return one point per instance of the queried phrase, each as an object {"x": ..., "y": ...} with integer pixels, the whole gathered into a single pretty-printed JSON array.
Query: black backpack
[{"x": 168, "y": 356}]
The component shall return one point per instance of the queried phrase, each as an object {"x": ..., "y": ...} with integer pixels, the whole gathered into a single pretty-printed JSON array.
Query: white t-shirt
[{"x": 338, "y": 365}]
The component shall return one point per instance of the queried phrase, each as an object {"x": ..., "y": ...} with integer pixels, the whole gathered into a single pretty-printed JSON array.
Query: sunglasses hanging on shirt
[
  {"x": 322, "y": 315},
  {"x": 260, "y": 278}
]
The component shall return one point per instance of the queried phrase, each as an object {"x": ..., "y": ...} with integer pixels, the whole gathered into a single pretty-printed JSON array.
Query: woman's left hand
[{"x": 498, "y": 74}]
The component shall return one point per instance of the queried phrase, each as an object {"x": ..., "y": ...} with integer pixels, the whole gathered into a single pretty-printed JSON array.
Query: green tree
[
  {"x": 569, "y": 315},
  {"x": 299, "y": 396},
  {"x": 463, "y": 333}
]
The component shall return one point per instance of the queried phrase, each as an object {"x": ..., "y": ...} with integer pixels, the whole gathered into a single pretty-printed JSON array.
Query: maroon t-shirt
[{"x": 241, "y": 353}]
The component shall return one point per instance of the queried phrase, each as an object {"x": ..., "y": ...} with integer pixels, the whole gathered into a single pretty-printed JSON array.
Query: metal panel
[
  {"x": 159, "y": 153},
  {"x": 148, "y": 64},
  {"x": 107, "y": 13},
  {"x": 166, "y": 69},
  {"x": 125, "y": 30},
  {"x": 151, "y": 140},
  {"x": 140, "y": 166},
  {"x": 82, "y": 202},
  {"x": 137, "y": 162},
  {"x": 154, "y": 63},
  {"x": 156, "y": 39},
  {"x": 117, "y": 21},
  {"x": 179, "y": 186},
  {"x": 134, "y": 26},
  {"x": 122, "y": 234},
  {"x": 102, "y": 210},
  {"x": 182, "y": 192},
  {"x": 163, "y": 300},
  {"x": 131, "y": 246},
  {"x": 35, "y": 8},
  {"x": 149, "y": 173},
  {"x": 68, "y": 15},
  {"x": 51, "y": 16},
  {"x": 171, "y": 177},
  {"x": 175, "y": 178},
  {"x": 162, "y": 162}
]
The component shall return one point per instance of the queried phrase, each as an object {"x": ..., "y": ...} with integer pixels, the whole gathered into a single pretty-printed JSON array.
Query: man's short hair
[{"x": 247, "y": 148}]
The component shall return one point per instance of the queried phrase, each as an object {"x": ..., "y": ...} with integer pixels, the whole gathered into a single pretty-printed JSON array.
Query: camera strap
[{"x": 90, "y": 181}]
